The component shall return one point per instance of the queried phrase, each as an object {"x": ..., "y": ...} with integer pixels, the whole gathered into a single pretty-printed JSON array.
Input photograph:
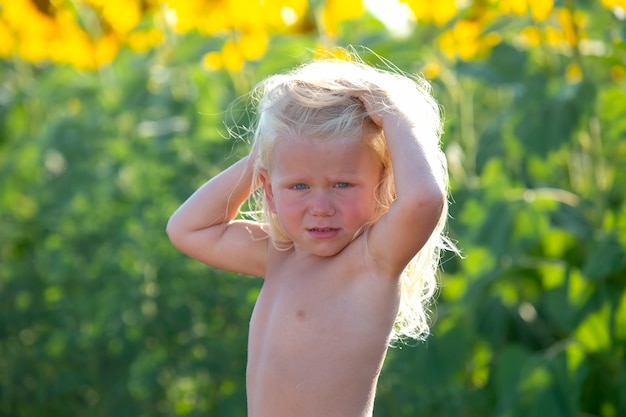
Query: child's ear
[{"x": 267, "y": 189}]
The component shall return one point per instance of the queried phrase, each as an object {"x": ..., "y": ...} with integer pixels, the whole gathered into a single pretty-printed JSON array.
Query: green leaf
[
  {"x": 606, "y": 257},
  {"x": 594, "y": 332},
  {"x": 548, "y": 121}
]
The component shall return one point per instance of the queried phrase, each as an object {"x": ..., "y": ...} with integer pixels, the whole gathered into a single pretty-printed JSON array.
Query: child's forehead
[
  {"x": 314, "y": 145},
  {"x": 342, "y": 154}
]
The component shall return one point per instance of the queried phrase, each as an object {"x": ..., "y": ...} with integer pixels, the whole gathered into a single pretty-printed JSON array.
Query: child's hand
[
  {"x": 401, "y": 106},
  {"x": 382, "y": 106},
  {"x": 376, "y": 104}
]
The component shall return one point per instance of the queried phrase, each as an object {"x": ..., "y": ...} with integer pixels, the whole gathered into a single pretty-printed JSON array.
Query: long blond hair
[{"x": 318, "y": 100}]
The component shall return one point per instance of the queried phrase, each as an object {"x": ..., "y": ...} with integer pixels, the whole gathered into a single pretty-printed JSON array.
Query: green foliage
[{"x": 100, "y": 316}]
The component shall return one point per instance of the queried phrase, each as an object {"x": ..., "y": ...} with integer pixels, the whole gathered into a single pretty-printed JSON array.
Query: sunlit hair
[{"x": 317, "y": 101}]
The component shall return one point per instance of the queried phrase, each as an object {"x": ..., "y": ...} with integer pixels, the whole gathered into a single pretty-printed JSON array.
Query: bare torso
[{"x": 318, "y": 336}]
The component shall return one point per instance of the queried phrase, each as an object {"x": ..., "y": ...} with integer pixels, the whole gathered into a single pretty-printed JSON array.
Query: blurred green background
[{"x": 112, "y": 112}]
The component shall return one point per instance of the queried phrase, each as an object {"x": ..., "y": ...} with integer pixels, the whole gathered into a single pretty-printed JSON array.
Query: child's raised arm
[
  {"x": 204, "y": 228},
  {"x": 410, "y": 123}
]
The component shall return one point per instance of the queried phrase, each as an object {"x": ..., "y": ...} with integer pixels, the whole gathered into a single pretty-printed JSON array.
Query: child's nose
[{"x": 321, "y": 204}]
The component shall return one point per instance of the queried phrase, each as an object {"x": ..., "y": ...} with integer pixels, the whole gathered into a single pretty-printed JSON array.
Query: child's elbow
[
  {"x": 174, "y": 232},
  {"x": 430, "y": 202}
]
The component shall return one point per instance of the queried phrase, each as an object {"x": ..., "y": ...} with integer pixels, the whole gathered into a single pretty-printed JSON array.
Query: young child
[{"x": 352, "y": 184}]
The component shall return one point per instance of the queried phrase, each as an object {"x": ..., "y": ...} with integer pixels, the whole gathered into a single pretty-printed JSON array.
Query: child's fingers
[{"x": 373, "y": 106}]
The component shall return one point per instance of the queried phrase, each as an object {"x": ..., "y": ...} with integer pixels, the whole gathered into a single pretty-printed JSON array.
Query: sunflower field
[{"x": 113, "y": 111}]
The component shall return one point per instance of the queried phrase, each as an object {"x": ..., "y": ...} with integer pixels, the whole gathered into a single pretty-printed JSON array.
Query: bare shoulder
[
  {"x": 363, "y": 257},
  {"x": 401, "y": 233}
]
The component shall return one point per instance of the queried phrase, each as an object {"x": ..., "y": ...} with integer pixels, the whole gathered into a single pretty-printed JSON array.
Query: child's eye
[
  {"x": 299, "y": 187},
  {"x": 342, "y": 185}
]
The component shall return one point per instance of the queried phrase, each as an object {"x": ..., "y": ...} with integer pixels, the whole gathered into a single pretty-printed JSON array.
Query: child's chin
[{"x": 329, "y": 252}]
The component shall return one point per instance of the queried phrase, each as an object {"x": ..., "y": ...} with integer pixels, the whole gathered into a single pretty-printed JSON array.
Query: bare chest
[
  {"x": 321, "y": 299},
  {"x": 325, "y": 304},
  {"x": 318, "y": 335}
]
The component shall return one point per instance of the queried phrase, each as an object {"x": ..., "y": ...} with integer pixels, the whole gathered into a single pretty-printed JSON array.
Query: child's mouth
[
  {"x": 323, "y": 232},
  {"x": 323, "y": 229}
]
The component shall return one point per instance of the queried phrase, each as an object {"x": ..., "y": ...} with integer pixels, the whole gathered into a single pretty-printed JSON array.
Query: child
[{"x": 347, "y": 167}]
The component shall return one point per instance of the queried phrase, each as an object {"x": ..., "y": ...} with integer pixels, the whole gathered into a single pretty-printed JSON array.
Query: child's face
[{"x": 322, "y": 192}]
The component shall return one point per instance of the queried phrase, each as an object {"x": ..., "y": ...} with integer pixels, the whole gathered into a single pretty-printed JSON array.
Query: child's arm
[
  {"x": 400, "y": 234},
  {"x": 204, "y": 228}
]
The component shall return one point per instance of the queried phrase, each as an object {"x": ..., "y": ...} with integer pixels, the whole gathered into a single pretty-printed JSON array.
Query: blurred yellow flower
[
  {"x": 246, "y": 15},
  {"x": 246, "y": 23},
  {"x": 540, "y": 9},
  {"x": 253, "y": 45},
  {"x": 447, "y": 44},
  {"x": 609, "y": 4},
  {"x": 212, "y": 61},
  {"x": 566, "y": 21},
  {"x": 89, "y": 33},
  {"x": 573, "y": 73},
  {"x": 142, "y": 40},
  {"x": 564, "y": 29},
  {"x": 70, "y": 43},
  {"x": 466, "y": 40},
  {"x": 618, "y": 73},
  {"x": 106, "y": 49},
  {"x": 517, "y": 7},
  {"x": 7, "y": 41},
  {"x": 214, "y": 18},
  {"x": 183, "y": 14},
  {"x": 461, "y": 40},
  {"x": 572, "y": 25},
  {"x": 530, "y": 36},
  {"x": 232, "y": 59},
  {"x": 122, "y": 15},
  {"x": 333, "y": 52},
  {"x": 337, "y": 11},
  {"x": 489, "y": 40},
  {"x": 431, "y": 70},
  {"x": 32, "y": 29},
  {"x": 75, "y": 48},
  {"x": 420, "y": 9},
  {"x": 248, "y": 47},
  {"x": 554, "y": 36},
  {"x": 443, "y": 11},
  {"x": 34, "y": 50},
  {"x": 438, "y": 12}
]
